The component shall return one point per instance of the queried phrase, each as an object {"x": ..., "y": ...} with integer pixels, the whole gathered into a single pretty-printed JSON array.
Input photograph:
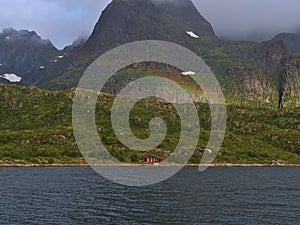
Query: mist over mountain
[
  {"x": 63, "y": 21},
  {"x": 291, "y": 41}
]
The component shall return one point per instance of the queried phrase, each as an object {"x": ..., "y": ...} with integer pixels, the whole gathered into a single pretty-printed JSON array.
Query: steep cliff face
[
  {"x": 249, "y": 86},
  {"x": 270, "y": 55},
  {"x": 290, "y": 84},
  {"x": 282, "y": 75},
  {"x": 249, "y": 72}
]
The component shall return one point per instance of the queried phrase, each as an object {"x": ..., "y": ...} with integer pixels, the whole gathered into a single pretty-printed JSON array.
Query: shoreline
[{"x": 216, "y": 165}]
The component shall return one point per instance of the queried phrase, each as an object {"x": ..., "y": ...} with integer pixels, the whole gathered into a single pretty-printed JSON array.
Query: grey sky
[{"x": 62, "y": 21}]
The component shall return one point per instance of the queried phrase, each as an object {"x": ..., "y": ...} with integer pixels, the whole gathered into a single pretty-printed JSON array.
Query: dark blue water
[{"x": 217, "y": 196}]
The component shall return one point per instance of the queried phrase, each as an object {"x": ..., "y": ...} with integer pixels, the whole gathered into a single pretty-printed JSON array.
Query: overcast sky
[{"x": 62, "y": 21}]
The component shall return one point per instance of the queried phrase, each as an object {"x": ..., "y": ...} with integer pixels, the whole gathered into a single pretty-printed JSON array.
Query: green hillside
[{"x": 36, "y": 127}]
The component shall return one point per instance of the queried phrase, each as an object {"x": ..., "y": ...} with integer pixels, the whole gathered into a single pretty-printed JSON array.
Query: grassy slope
[{"x": 36, "y": 128}]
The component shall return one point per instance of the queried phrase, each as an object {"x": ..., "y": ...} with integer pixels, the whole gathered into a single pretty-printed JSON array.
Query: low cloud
[
  {"x": 251, "y": 19},
  {"x": 63, "y": 21}
]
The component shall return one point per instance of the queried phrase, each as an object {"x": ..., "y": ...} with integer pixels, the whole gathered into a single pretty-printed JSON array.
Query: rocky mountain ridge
[{"x": 33, "y": 60}]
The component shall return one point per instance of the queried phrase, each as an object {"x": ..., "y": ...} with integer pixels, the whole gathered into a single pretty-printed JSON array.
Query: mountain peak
[
  {"x": 24, "y": 54},
  {"x": 24, "y": 36},
  {"x": 125, "y": 21}
]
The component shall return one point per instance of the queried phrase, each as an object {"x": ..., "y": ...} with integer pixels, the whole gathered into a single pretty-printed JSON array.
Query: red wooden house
[{"x": 150, "y": 159}]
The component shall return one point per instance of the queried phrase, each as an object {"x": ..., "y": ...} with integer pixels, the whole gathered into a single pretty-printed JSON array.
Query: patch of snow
[
  {"x": 1, "y": 65},
  {"x": 7, "y": 38},
  {"x": 192, "y": 34},
  {"x": 11, "y": 77},
  {"x": 188, "y": 73},
  {"x": 42, "y": 67},
  {"x": 60, "y": 56},
  {"x": 55, "y": 60},
  {"x": 208, "y": 150}
]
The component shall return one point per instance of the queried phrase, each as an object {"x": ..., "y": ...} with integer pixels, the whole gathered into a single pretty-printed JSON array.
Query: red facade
[{"x": 150, "y": 159}]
